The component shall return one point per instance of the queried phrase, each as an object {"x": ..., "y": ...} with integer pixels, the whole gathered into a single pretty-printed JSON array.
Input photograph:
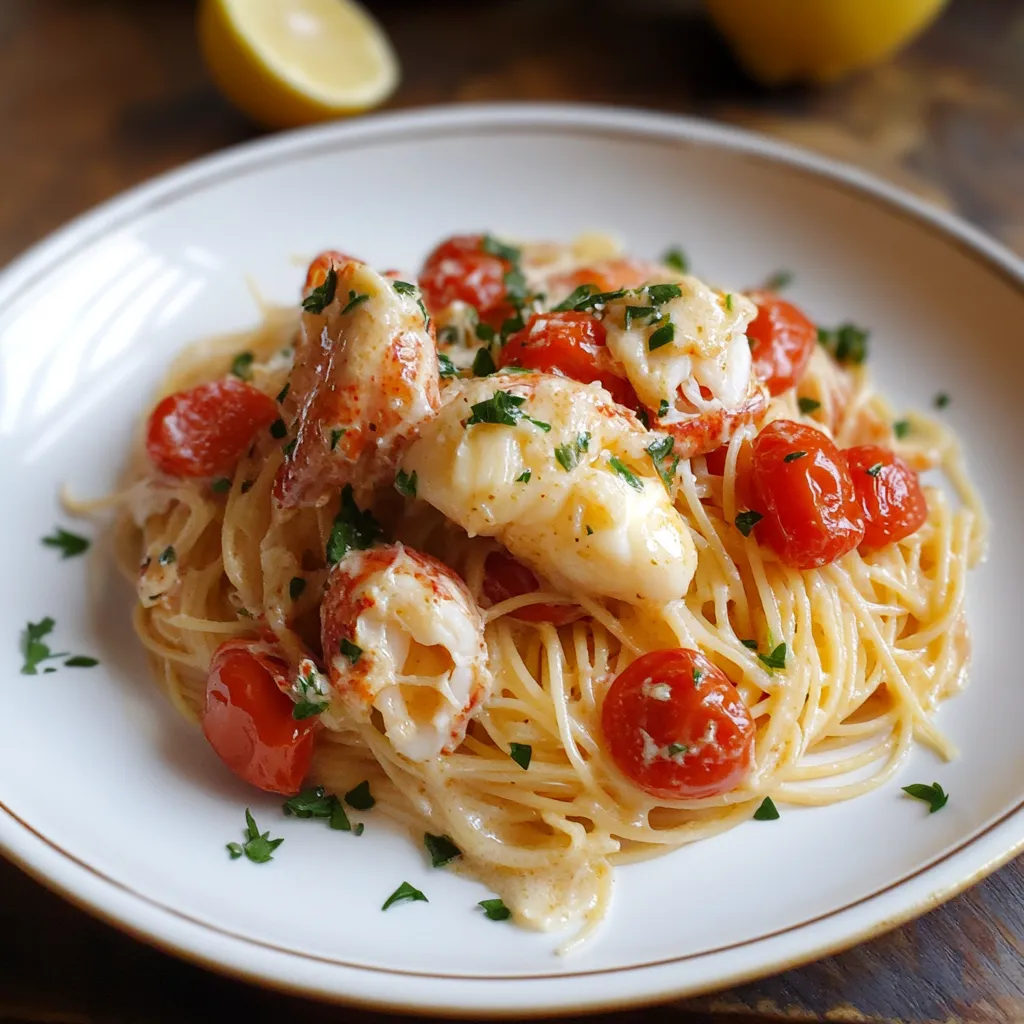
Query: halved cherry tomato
[
  {"x": 715, "y": 461},
  {"x": 504, "y": 577},
  {"x": 677, "y": 727},
  {"x": 248, "y": 719},
  {"x": 459, "y": 270},
  {"x": 207, "y": 429},
  {"x": 781, "y": 342},
  {"x": 570, "y": 344},
  {"x": 803, "y": 489},
  {"x": 889, "y": 495}
]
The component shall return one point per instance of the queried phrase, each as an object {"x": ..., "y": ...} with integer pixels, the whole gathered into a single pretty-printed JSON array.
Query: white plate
[{"x": 107, "y": 797}]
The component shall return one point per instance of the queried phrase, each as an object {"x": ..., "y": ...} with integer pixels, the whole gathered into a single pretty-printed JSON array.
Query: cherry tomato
[
  {"x": 889, "y": 495},
  {"x": 715, "y": 460},
  {"x": 573, "y": 345},
  {"x": 782, "y": 340},
  {"x": 677, "y": 727},
  {"x": 459, "y": 270},
  {"x": 801, "y": 485},
  {"x": 248, "y": 719},
  {"x": 207, "y": 429},
  {"x": 504, "y": 577}
]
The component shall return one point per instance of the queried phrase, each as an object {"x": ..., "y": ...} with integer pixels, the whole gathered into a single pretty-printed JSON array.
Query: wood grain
[{"x": 97, "y": 95}]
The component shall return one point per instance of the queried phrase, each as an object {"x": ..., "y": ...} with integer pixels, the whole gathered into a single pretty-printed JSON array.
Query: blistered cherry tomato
[
  {"x": 781, "y": 342},
  {"x": 204, "y": 431},
  {"x": 802, "y": 487},
  {"x": 504, "y": 577},
  {"x": 676, "y": 726},
  {"x": 889, "y": 495},
  {"x": 459, "y": 270},
  {"x": 573, "y": 345},
  {"x": 248, "y": 719}
]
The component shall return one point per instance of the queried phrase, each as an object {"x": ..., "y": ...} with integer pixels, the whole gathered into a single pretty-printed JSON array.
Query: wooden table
[{"x": 96, "y": 95}]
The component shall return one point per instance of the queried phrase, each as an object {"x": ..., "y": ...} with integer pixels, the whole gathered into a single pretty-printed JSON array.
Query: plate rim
[{"x": 17, "y": 837}]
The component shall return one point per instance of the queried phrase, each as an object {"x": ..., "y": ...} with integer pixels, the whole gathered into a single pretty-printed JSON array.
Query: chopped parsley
[
  {"x": 404, "y": 287},
  {"x": 589, "y": 529},
  {"x": 625, "y": 472},
  {"x": 258, "y": 846},
  {"x": 777, "y": 281},
  {"x": 793, "y": 456},
  {"x": 577, "y": 295},
  {"x": 901, "y": 428},
  {"x": 664, "y": 335},
  {"x": 483, "y": 363},
  {"x": 70, "y": 544},
  {"x": 168, "y": 555},
  {"x": 296, "y": 587},
  {"x": 493, "y": 247},
  {"x": 353, "y": 301},
  {"x": 598, "y": 299},
  {"x": 874, "y": 470},
  {"x": 405, "y": 893},
  {"x": 278, "y": 429},
  {"x": 495, "y": 909},
  {"x": 241, "y": 365},
  {"x": 728, "y": 302},
  {"x": 524, "y": 477},
  {"x": 336, "y": 435},
  {"x": 323, "y": 295},
  {"x": 290, "y": 447},
  {"x": 448, "y": 335},
  {"x": 445, "y": 367},
  {"x": 746, "y": 521},
  {"x": 441, "y": 849},
  {"x": 81, "y": 661},
  {"x": 663, "y": 408},
  {"x": 521, "y": 753},
  {"x": 568, "y": 455},
  {"x": 641, "y": 415},
  {"x": 776, "y": 659},
  {"x": 360, "y": 797},
  {"x": 676, "y": 259},
  {"x": 503, "y": 409},
  {"x": 751, "y": 645},
  {"x": 283, "y": 393},
  {"x": 220, "y": 485},
  {"x": 485, "y": 332},
  {"x": 354, "y": 529},
  {"x": 659, "y": 451},
  {"x": 638, "y": 313},
  {"x": 808, "y": 405},
  {"x": 406, "y": 483},
  {"x": 675, "y": 749},
  {"x": 316, "y": 803},
  {"x": 661, "y": 293},
  {"x": 351, "y": 651},
  {"x": 847, "y": 343},
  {"x": 767, "y": 811},
  {"x": 698, "y": 676},
  {"x": 934, "y": 795},
  {"x": 941, "y": 400}
]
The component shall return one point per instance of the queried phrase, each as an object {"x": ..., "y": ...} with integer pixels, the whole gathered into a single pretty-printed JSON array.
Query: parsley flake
[
  {"x": 777, "y": 281},
  {"x": 638, "y": 313},
  {"x": 698, "y": 676},
  {"x": 295, "y": 587},
  {"x": 661, "y": 293},
  {"x": 404, "y": 287},
  {"x": 81, "y": 661},
  {"x": 776, "y": 659},
  {"x": 350, "y": 650},
  {"x": 168, "y": 555},
  {"x": 290, "y": 447},
  {"x": 283, "y": 393},
  {"x": 675, "y": 749},
  {"x": 483, "y": 363},
  {"x": 503, "y": 409},
  {"x": 793, "y": 456},
  {"x": 310, "y": 803},
  {"x": 659, "y": 451},
  {"x": 70, "y": 544},
  {"x": 495, "y": 909},
  {"x": 568, "y": 455},
  {"x": 728, "y": 302},
  {"x": 336, "y": 435},
  {"x": 406, "y": 483},
  {"x": 934, "y": 795},
  {"x": 493, "y": 247},
  {"x": 577, "y": 295},
  {"x": 941, "y": 400},
  {"x": 626, "y": 473},
  {"x": 405, "y": 893},
  {"x": 323, "y": 295},
  {"x": 360, "y": 796},
  {"x": 234, "y": 850},
  {"x": 767, "y": 811},
  {"x": 751, "y": 645},
  {"x": 278, "y": 429},
  {"x": 353, "y": 301},
  {"x": 746, "y": 521},
  {"x": 521, "y": 753},
  {"x": 808, "y": 405},
  {"x": 847, "y": 343},
  {"x": 441, "y": 849},
  {"x": 663, "y": 408},
  {"x": 664, "y": 335},
  {"x": 220, "y": 485},
  {"x": 258, "y": 846},
  {"x": 485, "y": 332},
  {"x": 354, "y": 529},
  {"x": 241, "y": 365},
  {"x": 901, "y": 428},
  {"x": 676, "y": 259},
  {"x": 874, "y": 470},
  {"x": 445, "y": 367},
  {"x": 524, "y": 477}
]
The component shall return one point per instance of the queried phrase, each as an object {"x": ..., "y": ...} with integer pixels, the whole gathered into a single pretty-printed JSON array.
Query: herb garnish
[
  {"x": 283, "y": 393},
  {"x": 278, "y": 429},
  {"x": 70, "y": 544},
  {"x": 625, "y": 472},
  {"x": 493, "y": 247},
  {"x": 767, "y": 811},
  {"x": 220, "y": 485},
  {"x": 336, "y": 436},
  {"x": 360, "y": 797},
  {"x": 663, "y": 408},
  {"x": 674, "y": 749},
  {"x": 503, "y": 409},
  {"x": 495, "y": 909},
  {"x": 353, "y": 301},
  {"x": 698, "y": 675},
  {"x": 353, "y": 530},
  {"x": 934, "y": 795},
  {"x": 81, "y": 661},
  {"x": 35, "y": 651},
  {"x": 579, "y": 294},
  {"x": 664, "y": 335},
  {"x": 521, "y": 753},
  {"x": 258, "y": 847},
  {"x": 808, "y": 405},
  {"x": 404, "y": 287},
  {"x": 568, "y": 455},
  {"x": 874, "y": 470},
  {"x": 776, "y": 659},
  {"x": 661, "y": 293},
  {"x": 941, "y": 400},
  {"x": 676, "y": 259},
  {"x": 728, "y": 302},
  {"x": 524, "y": 477},
  {"x": 168, "y": 555},
  {"x": 901, "y": 428},
  {"x": 485, "y": 332},
  {"x": 659, "y": 452},
  {"x": 445, "y": 367},
  {"x": 316, "y": 803},
  {"x": 848, "y": 343},
  {"x": 639, "y": 313},
  {"x": 793, "y": 456},
  {"x": 241, "y": 365},
  {"x": 323, "y": 295},
  {"x": 313, "y": 700},
  {"x": 777, "y": 281},
  {"x": 441, "y": 849},
  {"x": 406, "y": 483},
  {"x": 751, "y": 645},
  {"x": 405, "y": 893},
  {"x": 483, "y": 363},
  {"x": 296, "y": 587},
  {"x": 351, "y": 651},
  {"x": 746, "y": 521}
]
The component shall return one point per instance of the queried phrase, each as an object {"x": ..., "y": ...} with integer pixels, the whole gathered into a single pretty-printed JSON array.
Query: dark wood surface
[{"x": 97, "y": 95}]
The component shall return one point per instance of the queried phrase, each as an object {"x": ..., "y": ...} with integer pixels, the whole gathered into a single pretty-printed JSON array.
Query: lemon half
[{"x": 291, "y": 62}]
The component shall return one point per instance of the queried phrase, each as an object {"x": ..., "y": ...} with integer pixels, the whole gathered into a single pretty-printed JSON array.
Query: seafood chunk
[
  {"x": 365, "y": 375},
  {"x": 402, "y": 636},
  {"x": 560, "y": 475}
]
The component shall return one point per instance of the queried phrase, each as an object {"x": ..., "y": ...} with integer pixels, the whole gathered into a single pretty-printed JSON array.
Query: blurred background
[{"x": 98, "y": 95}]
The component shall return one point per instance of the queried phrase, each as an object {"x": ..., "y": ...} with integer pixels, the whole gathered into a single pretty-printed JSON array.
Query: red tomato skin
[
  {"x": 572, "y": 345},
  {"x": 504, "y": 577},
  {"x": 459, "y": 270},
  {"x": 810, "y": 509},
  {"x": 715, "y": 460},
  {"x": 205, "y": 430},
  {"x": 892, "y": 502},
  {"x": 781, "y": 342},
  {"x": 248, "y": 721},
  {"x": 715, "y": 765}
]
